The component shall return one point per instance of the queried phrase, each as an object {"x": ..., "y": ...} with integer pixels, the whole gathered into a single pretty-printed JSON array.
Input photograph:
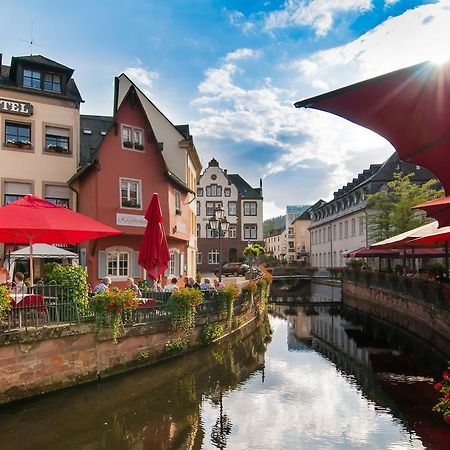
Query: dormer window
[
  {"x": 132, "y": 138},
  {"x": 52, "y": 82},
  {"x": 32, "y": 78}
]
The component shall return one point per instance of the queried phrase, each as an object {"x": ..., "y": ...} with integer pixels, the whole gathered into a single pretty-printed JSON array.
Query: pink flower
[{"x": 438, "y": 386}]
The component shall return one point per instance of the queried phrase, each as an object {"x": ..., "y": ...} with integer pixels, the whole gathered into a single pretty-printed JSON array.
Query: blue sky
[{"x": 233, "y": 69}]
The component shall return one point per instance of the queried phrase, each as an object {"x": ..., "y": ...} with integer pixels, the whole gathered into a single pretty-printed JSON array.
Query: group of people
[
  {"x": 18, "y": 286},
  {"x": 206, "y": 286}
]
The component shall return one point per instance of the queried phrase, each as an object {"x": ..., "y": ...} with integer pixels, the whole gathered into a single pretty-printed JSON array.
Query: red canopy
[
  {"x": 409, "y": 107},
  {"x": 31, "y": 220},
  {"x": 154, "y": 253},
  {"x": 365, "y": 252},
  {"x": 439, "y": 209}
]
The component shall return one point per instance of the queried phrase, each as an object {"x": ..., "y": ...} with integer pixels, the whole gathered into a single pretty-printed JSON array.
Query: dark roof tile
[
  {"x": 89, "y": 143},
  {"x": 244, "y": 188}
]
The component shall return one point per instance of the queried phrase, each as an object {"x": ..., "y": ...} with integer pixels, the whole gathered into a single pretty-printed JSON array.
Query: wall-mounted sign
[
  {"x": 131, "y": 220},
  {"x": 181, "y": 227},
  {"x": 16, "y": 107}
]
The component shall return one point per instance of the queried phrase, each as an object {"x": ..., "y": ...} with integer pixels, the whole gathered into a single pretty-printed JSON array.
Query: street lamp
[{"x": 219, "y": 226}]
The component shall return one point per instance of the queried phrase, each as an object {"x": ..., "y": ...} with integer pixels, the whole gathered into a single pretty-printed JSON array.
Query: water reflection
[{"x": 320, "y": 377}]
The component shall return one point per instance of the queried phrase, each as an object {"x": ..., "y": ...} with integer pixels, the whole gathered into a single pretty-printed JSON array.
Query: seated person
[
  {"x": 218, "y": 284},
  {"x": 103, "y": 285},
  {"x": 134, "y": 287},
  {"x": 207, "y": 286},
  {"x": 172, "y": 286},
  {"x": 20, "y": 287},
  {"x": 191, "y": 283},
  {"x": 4, "y": 274}
]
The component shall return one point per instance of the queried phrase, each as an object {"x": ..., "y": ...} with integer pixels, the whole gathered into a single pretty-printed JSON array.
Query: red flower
[
  {"x": 438, "y": 386},
  {"x": 447, "y": 395},
  {"x": 445, "y": 376},
  {"x": 447, "y": 419}
]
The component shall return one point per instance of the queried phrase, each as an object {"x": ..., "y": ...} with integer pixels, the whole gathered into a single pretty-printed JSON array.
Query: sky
[{"x": 233, "y": 69}]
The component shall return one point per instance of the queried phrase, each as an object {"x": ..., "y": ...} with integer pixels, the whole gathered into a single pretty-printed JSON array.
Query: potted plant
[
  {"x": 443, "y": 406},
  {"x": 127, "y": 144},
  {"x": 5, "y": 300},
  {"x": 138, "y": 146}
]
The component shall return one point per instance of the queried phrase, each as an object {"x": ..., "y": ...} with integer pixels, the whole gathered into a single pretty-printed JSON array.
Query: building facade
[
  {"x": 39, "y": 131},
  {"x": 292, "y": 212},
  {"x": 243, "y": 207},
  {"x": 126, "y": 158},
  {"x": 275, "y": 243},
  {"x": 340, "y": 225}
]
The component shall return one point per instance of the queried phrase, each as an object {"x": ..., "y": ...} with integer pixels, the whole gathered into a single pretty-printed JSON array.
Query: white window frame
[
  {"x": 178, "y": 203},
  {"x": 199, "y": 257},
  {"x": 235, "y": 208},
  {"x": 132, "y": 130},
  {"x": 199, "y": 228},
  {"x": 232, "y": 230},
  {"x": 250, "y": 227},
  {"x": 174, "y": 263},
  {"x": 248, "y": 207},
  {"x": 139, "y": 192},
  {"x": 213, "y": 256},
  {"x": 118, "y": 252}
]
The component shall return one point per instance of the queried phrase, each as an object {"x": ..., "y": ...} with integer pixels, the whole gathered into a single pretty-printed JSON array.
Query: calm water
[{"x": 317, "y": 377}]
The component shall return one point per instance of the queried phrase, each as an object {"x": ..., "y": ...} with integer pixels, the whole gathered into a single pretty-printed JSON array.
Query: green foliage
[
  {"x": 311, "y": 271},
  {"x": 394, "y": 213},
  {"x": 254, "y": 250},
  {"x": 211, "y": 331},
  {"x": 354, "y": 263},
  {"x": 443, "y": 406},
  {"x": 227, "y": 297},
  {"x": 273, "y": 224},
  {"x": 176, "y": 345},
  {"x": 237, "y": 322},
  {"x": 249, "y": 290},
  {"x": 5, "y": 300},
  {"x": 198, "y": 277},
  {"x": 144, "y": 286},
  {"x": 433, "y": 268},
  {"x": 334, "y": 271},
  {"x": 143, "y": 355},
  {"x": 74, "y": 277},
  {"x": 182, "y": 307},
  {"x": 108, "y": 307}
]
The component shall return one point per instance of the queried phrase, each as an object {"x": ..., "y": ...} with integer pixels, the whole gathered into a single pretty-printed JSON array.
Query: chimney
[
  {"x": 1, "y": 58},
  {"x": 225, "y": 172},
  {"x": 260, "y": 184}
]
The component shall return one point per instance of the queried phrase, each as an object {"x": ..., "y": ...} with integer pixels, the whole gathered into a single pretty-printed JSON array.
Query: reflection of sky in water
[{"x": 304, "y": 403}]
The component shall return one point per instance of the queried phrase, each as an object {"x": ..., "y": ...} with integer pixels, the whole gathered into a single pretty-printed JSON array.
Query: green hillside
[{"x": 272, "y": 224}]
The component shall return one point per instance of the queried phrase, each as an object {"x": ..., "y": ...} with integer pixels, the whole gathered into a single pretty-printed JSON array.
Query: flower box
[
  {"x": 138, "y": 146},
  {"x": 19, "y": 144},
  {"x": 127, "y": 144}
]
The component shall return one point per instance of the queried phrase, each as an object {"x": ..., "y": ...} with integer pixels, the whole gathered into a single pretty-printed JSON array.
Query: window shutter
[
  {"x": 136, "y": 268},
  {"x": 181, "y": 268},
  {"x": 101, "y": 269},
  {"x": 83, "y": 262}
]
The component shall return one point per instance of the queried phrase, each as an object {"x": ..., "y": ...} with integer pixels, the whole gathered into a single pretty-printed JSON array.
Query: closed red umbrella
[
  {"x": 31, "y": 220},
  {"x": 154, "y": 253},
  {"x": 409, "y": 107}
]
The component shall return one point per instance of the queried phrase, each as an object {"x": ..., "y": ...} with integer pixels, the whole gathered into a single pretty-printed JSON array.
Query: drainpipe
[
  {"x": 331, "y": 246},
  {"x": 77, "y": 206}
]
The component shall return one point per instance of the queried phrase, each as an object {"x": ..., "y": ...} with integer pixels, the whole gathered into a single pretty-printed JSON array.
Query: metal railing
[{"x": 431, "y": 291}]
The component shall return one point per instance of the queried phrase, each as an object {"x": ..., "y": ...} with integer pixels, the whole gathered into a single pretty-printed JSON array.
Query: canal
[{"x": 315, "y": 376}]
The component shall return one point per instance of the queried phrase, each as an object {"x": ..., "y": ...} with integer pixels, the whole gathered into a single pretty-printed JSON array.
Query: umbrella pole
[
  {"x": 31, "y": 263},
  {"x": 413, "y": 260},
  {"x": 446, "y": 257}
]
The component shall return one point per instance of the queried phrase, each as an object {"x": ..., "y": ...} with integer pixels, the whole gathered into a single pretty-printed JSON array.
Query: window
[
  {"x": 353, "y": 229},
  {"x": 32, "y": 78},
  {"x": 211, "y": 207},
  {"x": 198, "y": 208},
  {"x": 17, "y": 135},
  {"x": 132, "y": 138},
  {"x": 213, "y": 257},
  {"x": 199, "y": 227},
  {"x": 59, "y": 195},
  {"x": 130, "y": 193},
  {"x": 15, "y": 190},
  {"x": 213, "y": 190},
  {"x": 52, "y": 82},
  {"x": 227, "y": 192},
  {"x": 177, "y": 203},
  {"x": 232, "y": 231},
  {"x": 57, "y": 140},
  {"x": 250, "y": 209},
  {"x": 232, "y": 208},
  {"x": 250, "y": 231},
  {"x": 334, "y": 232},
  {"x": 199, "y": 192},
  {"x": 199, "y": 257},
  {"x": 361, "y": 226},
  {"x": 209, "y": 232},
  {"x": 346, "y": 229},
  {"x": 174, "y": 263},
  {"x": 118, "y": 264},
  {"x": 340, "y": 230}
]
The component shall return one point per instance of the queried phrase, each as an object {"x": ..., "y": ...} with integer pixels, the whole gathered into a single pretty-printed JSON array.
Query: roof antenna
[{"x": 31, "y": 42}]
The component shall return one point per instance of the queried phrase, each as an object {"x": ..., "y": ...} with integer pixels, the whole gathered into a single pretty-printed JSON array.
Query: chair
[{"x": 31, "y": 305}]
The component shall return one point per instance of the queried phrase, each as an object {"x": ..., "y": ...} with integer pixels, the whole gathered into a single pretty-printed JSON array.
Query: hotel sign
[
  {"x": 16, "y": 107},
  {"x": 131, "y": 220}
]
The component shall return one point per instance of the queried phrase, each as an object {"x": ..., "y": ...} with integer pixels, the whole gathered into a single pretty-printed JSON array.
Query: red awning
[
  {"x": 439, "y": 209},
  {"x": 365, "y": 252},
  {"x": 409, "y": 107}
]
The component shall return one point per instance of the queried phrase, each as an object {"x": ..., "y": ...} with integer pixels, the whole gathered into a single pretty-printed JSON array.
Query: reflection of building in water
[
  {"x": 325, "y": 293},
  {"x": 299, "y": 330},
  {"x": 332, "y": 330}
]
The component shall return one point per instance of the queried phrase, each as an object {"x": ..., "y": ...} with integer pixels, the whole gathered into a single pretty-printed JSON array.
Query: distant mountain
[{"x": 272, "y": 224}]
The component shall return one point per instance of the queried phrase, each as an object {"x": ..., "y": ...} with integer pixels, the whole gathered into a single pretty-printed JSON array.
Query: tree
[
  {"x": 393, "y": 207},
  {"x": 252, "y": 251}
]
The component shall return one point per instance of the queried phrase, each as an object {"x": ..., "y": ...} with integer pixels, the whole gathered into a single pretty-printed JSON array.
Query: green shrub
[
  {"x": 249, "y": 290},
  {"x": 5, "y": 300},
  {"x": 227, "y": 297},
  {"x": 211, "y": 331},
  {"x": 176, "y": 345},
  {"x": 74, "y": 277},
  {"x": 182, "y": 307},
  {"x": 354, "y": 263}
]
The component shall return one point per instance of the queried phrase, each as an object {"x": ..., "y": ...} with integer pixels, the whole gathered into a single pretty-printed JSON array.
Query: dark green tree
[{"x": 392, "y": 209}]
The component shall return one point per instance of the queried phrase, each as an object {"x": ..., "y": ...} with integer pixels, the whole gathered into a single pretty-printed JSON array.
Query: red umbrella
[
  {"x": 409, "y": 107},
  {"x": 31, "y": 220},
  {"x": 365, "y": 252},
  {"x": 439, "y": 209},
  {"x": 154, "y": 253}
]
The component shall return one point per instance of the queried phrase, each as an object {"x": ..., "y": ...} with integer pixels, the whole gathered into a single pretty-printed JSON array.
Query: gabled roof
[
  {"x": 244, "y": 189},
  {"x": 8, "y": 77},
  {"x": 306, "y": 215},
  {"x": 276, "y": 232},
  {"x": 89, "y": 143}
]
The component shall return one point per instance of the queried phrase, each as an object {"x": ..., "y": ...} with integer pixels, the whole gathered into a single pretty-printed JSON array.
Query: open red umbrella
[
  {"x": 409, "y": 107},
  {"x": 439, "y": 209},
  {"x": 154, "y": 253},
  {"x": 31, "y": 220}
]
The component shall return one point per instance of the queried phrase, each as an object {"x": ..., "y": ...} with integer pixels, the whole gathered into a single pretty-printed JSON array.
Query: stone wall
[
  {"x": 37, "y": 361},
  {"x": 423, "y": 319}
]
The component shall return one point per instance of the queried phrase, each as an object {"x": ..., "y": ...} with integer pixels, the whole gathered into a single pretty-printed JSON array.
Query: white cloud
[
  {"x": 390, "y": 2},
  {"x": 142, "y": 77},
  {"x": 318, "y": 14},
  {"x": 271, "y": 209},
  {"x": 242, "y": 53}
]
